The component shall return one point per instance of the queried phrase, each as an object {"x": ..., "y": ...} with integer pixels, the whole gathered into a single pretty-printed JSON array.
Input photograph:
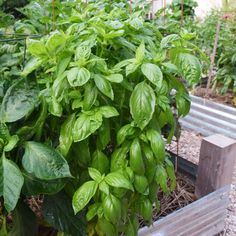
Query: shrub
[{"x": 85, "y": 122}]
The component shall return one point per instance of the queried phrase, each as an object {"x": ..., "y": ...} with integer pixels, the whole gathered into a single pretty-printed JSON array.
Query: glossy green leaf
[
  {"x": 66, "y": 138},
  {"x": 115, "y": 78},
  {"x": 95, "y": 174},
  {"x": 92, "y": 211},
  {"x": 55, "y": 43},
  {"x": 104, "y": 187},
  {"x": 82, "y": 52},
  {"x": 106, "y": 228},
  {"x": 190, "y": 68},
  {"x": 183, "y": 103},
  {"x": 108, "y": 111},
  {"x": 136, "y": 158},
  {"x": 83, "y": 195},
  {"x": 161, "y": 178},
  {"x": 117, "y": 180},
  {"x": 157, "y": 144},
  {"x": 146, "y": 209},
  {"x": 36, "y": 48},
  {"x": 124, "y": 133},
  {"x": 78, "y": 76},
  {"x": 104, "y": 86},
  {"x": 44, "y": 162},
  {"x": 90, "y": 96},
  {"x": 19, "y": 101},
  {"x": 100, "y": 162},
  {"x": 11, "y": 182},
  {"x": 142, "y": 104},
  {"x": 31, "y": 65},
  {"x": 169, "y": 40},
  {"x": 141, "y": 184},
  {"x": 12, "y": 141},
  {"x": 86, "y": 125},
  {"x": 140, "y": 53},
  {"x": 153, "y": 73},
  {"x": 58, "y": 212},
  {"x": 112, "y": 208}
]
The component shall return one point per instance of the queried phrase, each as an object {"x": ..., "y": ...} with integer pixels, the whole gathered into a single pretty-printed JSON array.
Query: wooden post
[{"x": 216, "y": 164}]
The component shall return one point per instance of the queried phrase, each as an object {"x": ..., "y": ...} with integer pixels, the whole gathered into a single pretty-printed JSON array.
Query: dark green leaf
[
  {"x": 24, "y": 221},
  {"x": 100, "y": 162},
  {"x": 58, "y": 213},
  {"x": 44, "y": 162},
  {"x": 11, "y": 182},
  {"x": 19, "y": 101}
]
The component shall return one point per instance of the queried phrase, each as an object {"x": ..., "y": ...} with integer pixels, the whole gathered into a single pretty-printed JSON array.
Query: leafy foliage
[{"x": 84, "y": 121}]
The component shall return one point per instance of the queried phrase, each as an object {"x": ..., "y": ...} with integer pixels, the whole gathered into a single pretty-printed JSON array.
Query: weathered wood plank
[
  {"x": 216, "y": 164},
  {"x": 206, "y": 215}
]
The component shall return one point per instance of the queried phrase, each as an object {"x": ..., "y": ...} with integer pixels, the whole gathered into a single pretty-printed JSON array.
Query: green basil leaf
[
  {"x": 168, "y": 41},
  {"x": 78, "y": 76},
  {"x": 104, "y": 135},
  {"x": 153, "y": 73},
  {"x": 104, "y": 187},
  {"x": 100, "y": 162},
  {"x": 190, "y": 68},
  {"x": 105, "y": 227},
  {"x": 142, "y": 104},
  {"x": 92, "y": 211},
  {"x": 170, "y": 169},
  {"x": 11, "y": 182},
  {"x": 104, "y": 86},
  {"x": 44, "y": 162},
  {"x": 83, "y": 195},
  {"x": 62, "y": 65},
  {"x": 117, "y": 180},
  {"x": 55, "y": 108},
  {"x": 141, "y": 184},
  {"x": 157, "y": 144},
  {"x": 58, "y": 212},
  {"x": 31, "y": 65},
  {"x": 82, "y": 52},
  {"x": 36, "y": 48},
  {"x": 136, "y": 159},
  {"x": 108, "y": 111},
  {"x": 86, "y": 125},
  {"x": 124, "y": 133},
  {"x": 19, "y": 101},
  {"x": 66, "y": 138},
  {"x": 140, "y": 53},
  {"x": 183, "y": 103},
  {"x": 90, "y": 96},
  {"x": 112, "y": 208},
  {"x": 55, "y": 43},
  {"x": 115, "y": 78},
  {"x": 162, "y": 178},
  {"x": 95, "y": 174},
  {"x": 146, "y": 209},
  {"x": 12, "y": 141}
]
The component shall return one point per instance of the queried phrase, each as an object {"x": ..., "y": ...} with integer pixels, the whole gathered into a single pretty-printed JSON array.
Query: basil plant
[{"x": 86, "y": 122}]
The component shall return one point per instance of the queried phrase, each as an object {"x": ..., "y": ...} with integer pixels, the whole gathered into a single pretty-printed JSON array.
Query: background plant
[{"x": 83, "y": 124}]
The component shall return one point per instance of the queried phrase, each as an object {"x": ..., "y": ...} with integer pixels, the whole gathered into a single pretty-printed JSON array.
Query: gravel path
[{"x": 189, "y": 147}]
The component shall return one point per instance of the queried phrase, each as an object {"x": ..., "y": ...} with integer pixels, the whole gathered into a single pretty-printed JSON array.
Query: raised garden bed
[{"x": 206, "y": 215}]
